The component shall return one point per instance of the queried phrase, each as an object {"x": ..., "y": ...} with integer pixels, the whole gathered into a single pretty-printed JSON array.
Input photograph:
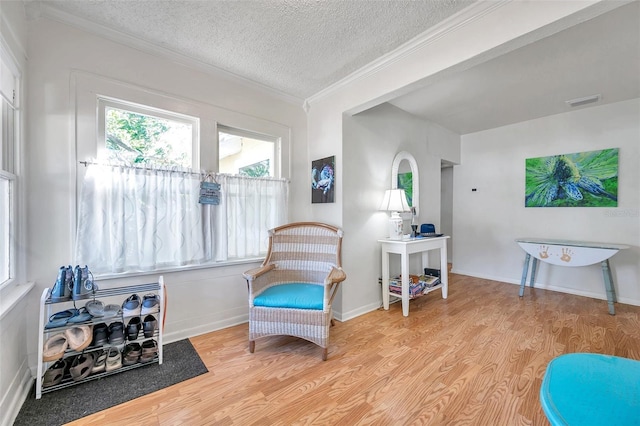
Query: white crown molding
[
  {"x": 8, "y": 38},
  {"x": 47, "y": 11},
  {"x": 451, "y": 24},
  {"x": 476, "y": 11}
]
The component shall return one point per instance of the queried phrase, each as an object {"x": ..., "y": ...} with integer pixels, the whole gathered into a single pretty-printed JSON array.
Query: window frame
[
  {"x": 87, "y": 88},
  {"x": 11, "y": 80}
]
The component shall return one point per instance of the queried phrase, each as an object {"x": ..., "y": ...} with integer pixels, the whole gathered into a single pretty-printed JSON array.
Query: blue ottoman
[{"x": 583, "y": 389}]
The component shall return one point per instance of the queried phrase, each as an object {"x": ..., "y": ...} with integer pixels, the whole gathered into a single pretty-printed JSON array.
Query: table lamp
[{"x": 395, "y": 201}]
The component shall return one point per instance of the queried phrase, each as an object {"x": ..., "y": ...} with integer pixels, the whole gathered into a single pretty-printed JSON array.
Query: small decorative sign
[{"x": 209, "y": 193}]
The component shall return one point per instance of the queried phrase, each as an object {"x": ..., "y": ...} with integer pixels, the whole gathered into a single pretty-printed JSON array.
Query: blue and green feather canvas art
[{"x": 584, "y": 179}]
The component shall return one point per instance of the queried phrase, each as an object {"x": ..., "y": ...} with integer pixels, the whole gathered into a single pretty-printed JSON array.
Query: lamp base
[{"x": 395, "y": 226}]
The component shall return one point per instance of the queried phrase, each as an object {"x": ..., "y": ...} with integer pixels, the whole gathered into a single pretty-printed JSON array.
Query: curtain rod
[{"x": 202, "y": 174}]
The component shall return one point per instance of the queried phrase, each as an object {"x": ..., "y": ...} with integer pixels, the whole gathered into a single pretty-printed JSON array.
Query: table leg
[
  {"x": 525, "y": 270},
  {"x": 608, "y": 286},
  {"x": 444, "y": 271},
  {"x": 385, "y": 280},
  {"x": 534, "y": 268},
  {"x": 404, "y": 260}
]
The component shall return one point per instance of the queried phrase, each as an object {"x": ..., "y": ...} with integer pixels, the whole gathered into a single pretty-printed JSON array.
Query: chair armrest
[
  {"x": 331, "y": 284},
  {"x": 254, "y": 273},
  {"x": 258, "y": 279},
  {"x": 335, "y": 276}
]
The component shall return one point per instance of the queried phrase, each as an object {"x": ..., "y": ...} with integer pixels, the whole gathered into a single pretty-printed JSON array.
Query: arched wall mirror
[{"x": 404, "y": 174}]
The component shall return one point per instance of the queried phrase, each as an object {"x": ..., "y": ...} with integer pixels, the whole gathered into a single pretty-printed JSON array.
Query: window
[
  {"x": 8, "y": 99},
  {"x": 245, "y": 153},
  {"x": 138, "y": 209},
  {"x": 136, "y": 134}
]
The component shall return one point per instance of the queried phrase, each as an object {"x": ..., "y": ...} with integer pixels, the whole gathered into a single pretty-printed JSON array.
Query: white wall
[
  {"x": 200, "y": 300},
  {"x": 487, "y": 221},
  {"x": 329, "y": 133},
  {"x": 371, "y": 141},
  {"x": 15, "y": 377}
]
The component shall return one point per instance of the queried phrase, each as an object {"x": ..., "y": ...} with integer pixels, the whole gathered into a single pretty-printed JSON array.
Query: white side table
[{"x": 404, "y": 248}]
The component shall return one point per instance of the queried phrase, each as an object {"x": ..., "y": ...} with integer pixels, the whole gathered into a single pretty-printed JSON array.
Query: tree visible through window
[{"x": 140, "y": 138}]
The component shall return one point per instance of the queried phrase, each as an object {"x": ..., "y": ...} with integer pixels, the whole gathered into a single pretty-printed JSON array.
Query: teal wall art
[{"x": 584, "y": 179}]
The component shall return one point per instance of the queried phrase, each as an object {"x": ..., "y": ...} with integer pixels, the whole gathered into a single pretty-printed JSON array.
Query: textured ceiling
[
  {"x": 297, "y": 47},
  {"x": 598, "y": 56}
]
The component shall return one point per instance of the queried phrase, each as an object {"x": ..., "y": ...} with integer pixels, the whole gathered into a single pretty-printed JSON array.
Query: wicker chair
[{"x": 291, "y": 293}]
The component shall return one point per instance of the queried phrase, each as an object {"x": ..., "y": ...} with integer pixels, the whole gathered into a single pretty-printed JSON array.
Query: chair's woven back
[{"x": 304, "y": 251}]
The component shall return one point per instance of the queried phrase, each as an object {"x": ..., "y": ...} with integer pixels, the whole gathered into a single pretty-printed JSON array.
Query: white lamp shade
[{"x": 395, "y": 200}]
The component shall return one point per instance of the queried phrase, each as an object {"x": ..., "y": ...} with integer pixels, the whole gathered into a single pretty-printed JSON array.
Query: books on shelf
[{"x": 418, "y": 285}]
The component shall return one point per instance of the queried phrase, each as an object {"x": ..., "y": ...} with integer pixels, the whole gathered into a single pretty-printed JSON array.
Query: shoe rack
[{"x": 114, "y": 295}]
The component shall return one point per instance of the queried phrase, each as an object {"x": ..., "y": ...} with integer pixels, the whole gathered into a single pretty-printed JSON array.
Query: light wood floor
[{"x": 477, "y": 358}]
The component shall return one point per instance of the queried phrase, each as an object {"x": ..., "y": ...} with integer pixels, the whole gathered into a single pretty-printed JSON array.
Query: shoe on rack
[
  {"x": 133, "y": 328},
  {"x": 131, "y": 353},
  {"x": 58, "y": 291},
  {"x": 99, "y": 362},
  {"x": 131, "y": 307},
  {"x": 150, "y": 304},
  {"x": 114, "y": 359},
  {"x": 95, "y": 308},
  {"x": 149, "y": 325},
  {"x": 53, "y": 376},
  {"x": 149, "y": 351},
  {"x": 54, "y": 347},
  {"x": 116, "y": 333},
  {"x": 60, "y": 319},
  {"x": 112, "y": 310},
  {"x": 82, "y": 316},
  {"x": 79, "y": 337},
  {"x": 83, "y": 285},
  {"x": 100, "y": 334},
  {"x": 81, "y": 366}
]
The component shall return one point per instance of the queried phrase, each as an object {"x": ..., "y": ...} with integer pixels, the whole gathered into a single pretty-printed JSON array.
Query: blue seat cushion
[
  {"x": 591, "y": 389},
  {"x": 292, "y": 295}
]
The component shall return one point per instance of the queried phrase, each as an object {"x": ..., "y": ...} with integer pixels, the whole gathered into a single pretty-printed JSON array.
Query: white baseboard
[
  {"x": 15, "y": 394},
  {"x": 203, "y": 328},
  {"x": 346, "y": 316},
  {"x": 544, "y": 286}
]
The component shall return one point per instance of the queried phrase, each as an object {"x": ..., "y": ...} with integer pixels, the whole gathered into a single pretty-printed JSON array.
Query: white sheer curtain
[
  {"x": 251, "y": 207},
  {"x": 133, "y": 219}
]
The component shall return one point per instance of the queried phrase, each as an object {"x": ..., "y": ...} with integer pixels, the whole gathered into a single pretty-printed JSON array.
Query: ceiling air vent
[{"x": 583, "y": 101}]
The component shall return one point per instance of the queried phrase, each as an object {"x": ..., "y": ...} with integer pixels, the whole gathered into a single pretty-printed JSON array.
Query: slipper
[
  {"x": 100, "y": 362},
  {"x": 149, "y": 351},
  {"x": 79, "y": 337},
  {"x": 149, "y": 325},
  {"x": 100, "y": 334},
  {"x": 114, "y": 359},
  {"x": 150, "y": 304},
  {"x": 131, "y": 306},
  {"x": 82, "y": 316},
  {"x": 59, "y": 319},
  {"x": 132, "y": 353},
  {"x": 95, "y": 308},
  {"x": 54, "y": 347},
  {"x": 116, "y": 333},
  {"x": 53, "y": 376},
  {"x": 112, "y": 310},
  {"x": 133, "y": 328},
  {"x": 81, "y": 366}
]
